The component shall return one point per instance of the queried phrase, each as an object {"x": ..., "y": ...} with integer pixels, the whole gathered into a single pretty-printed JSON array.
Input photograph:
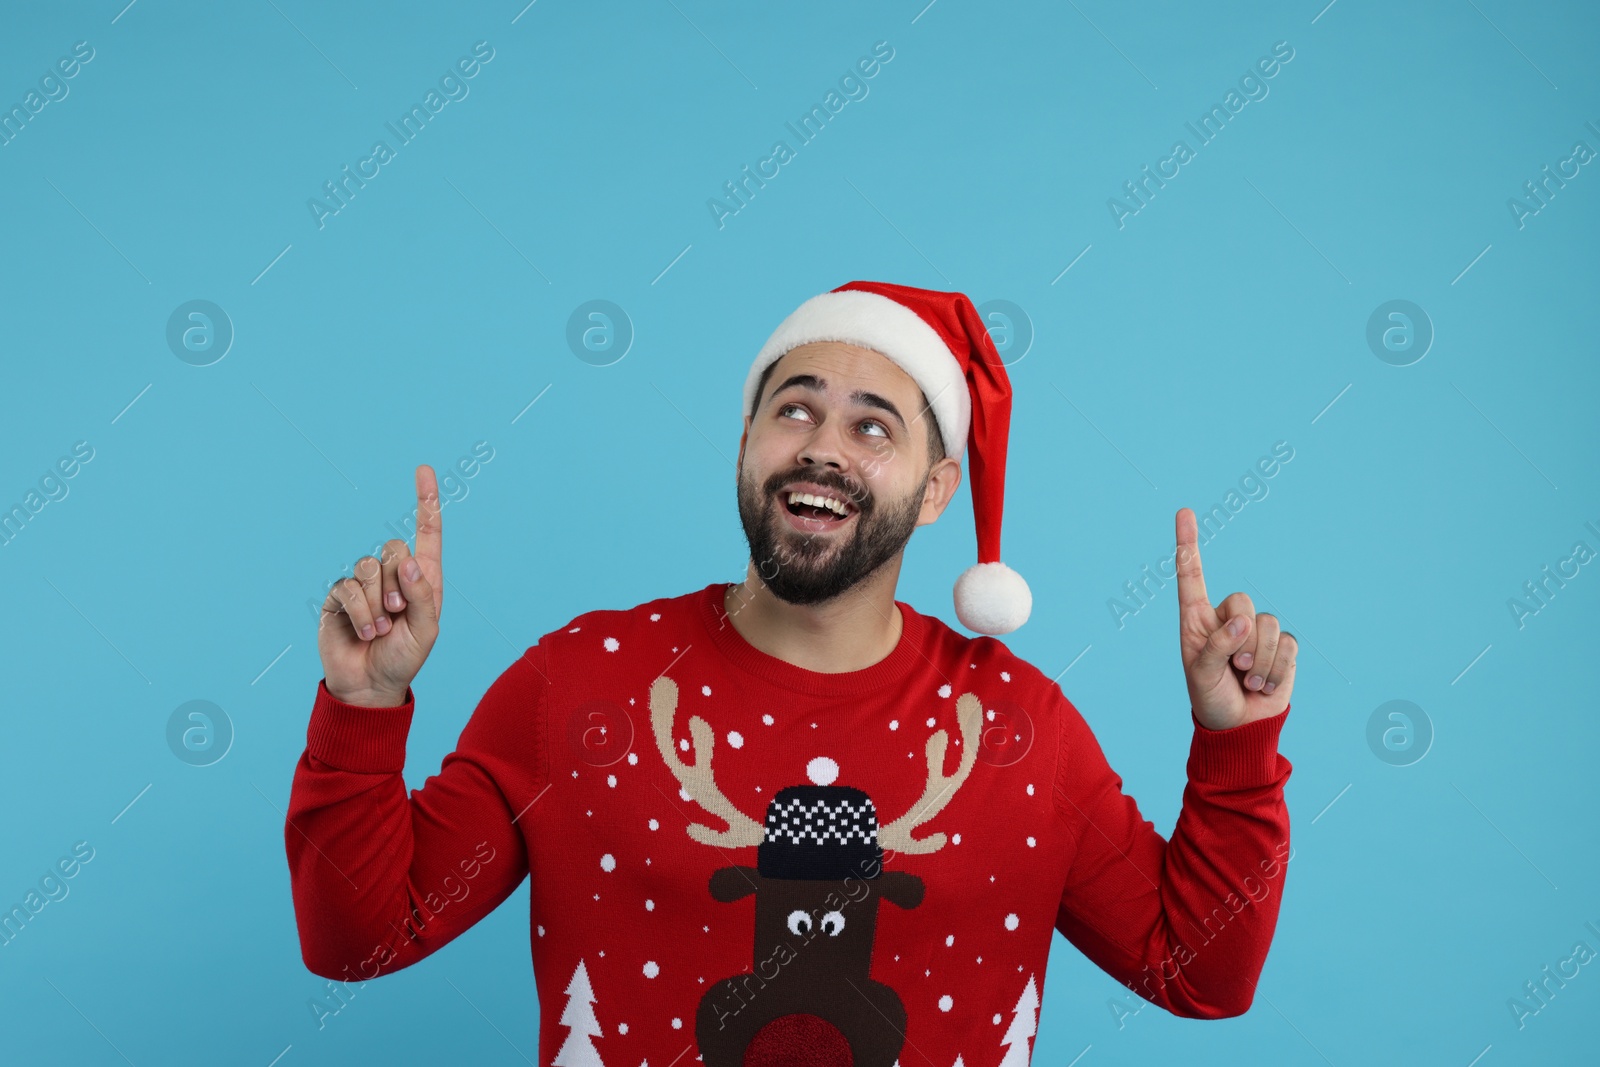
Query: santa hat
[{"x": 940, "y": 340}]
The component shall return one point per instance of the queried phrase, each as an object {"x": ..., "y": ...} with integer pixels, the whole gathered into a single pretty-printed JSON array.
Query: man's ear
[
  {"x": 744, "y": 436},
  {"x": 943, "y": 480}
]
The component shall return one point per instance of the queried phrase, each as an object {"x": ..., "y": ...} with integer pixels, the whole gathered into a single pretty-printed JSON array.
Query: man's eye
[
  {"x": 879, "y": 425},
  {"x": 788, "y": 408}
]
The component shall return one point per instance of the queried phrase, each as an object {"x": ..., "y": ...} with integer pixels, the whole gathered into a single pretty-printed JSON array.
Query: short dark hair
[{"x": 935, "y": 438}]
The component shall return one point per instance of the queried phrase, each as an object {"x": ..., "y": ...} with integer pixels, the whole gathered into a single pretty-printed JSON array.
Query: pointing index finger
[
  {"x": 428, "y": 528},
  {"x": 1191, "y": 582}
]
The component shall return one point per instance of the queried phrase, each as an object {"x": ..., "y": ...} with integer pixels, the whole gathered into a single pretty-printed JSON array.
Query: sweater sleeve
[
  {"x": 381, "y": 878},
  {"x": 1185, "y": 923}
]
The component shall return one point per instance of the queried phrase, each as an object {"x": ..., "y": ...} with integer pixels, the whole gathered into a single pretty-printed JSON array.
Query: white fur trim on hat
[
  {"x": 991, "y": 598},
  {"x": 874, "y": 321}
]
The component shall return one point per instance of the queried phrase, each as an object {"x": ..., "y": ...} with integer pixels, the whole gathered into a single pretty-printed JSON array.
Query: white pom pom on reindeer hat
[{"x": 940, "y": 340}]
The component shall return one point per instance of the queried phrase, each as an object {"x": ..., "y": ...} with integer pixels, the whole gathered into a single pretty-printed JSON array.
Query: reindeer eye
[
  {"x": 799, "y": 922},
  {"x": 833, "y": 923}
]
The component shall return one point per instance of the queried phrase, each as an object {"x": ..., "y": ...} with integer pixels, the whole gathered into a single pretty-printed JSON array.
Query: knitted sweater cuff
[
  {"x": 354, "y": 738},
  {"x": 1241, "y": 756}
]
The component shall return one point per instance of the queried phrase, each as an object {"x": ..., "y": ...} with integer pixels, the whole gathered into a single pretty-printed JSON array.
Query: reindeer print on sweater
[{"x": 817, "y": 885}]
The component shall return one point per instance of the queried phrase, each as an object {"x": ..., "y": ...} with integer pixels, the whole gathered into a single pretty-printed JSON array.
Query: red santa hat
[{"x": 940, "y": 340}]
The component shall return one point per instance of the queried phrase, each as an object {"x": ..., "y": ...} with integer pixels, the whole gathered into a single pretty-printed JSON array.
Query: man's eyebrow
[{"x": 860, "y": 396}]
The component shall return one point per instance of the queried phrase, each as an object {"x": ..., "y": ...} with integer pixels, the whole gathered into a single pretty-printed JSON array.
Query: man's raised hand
[
  {"x": 1257, "y": 682},
  {"x": 377, "y": 628}
]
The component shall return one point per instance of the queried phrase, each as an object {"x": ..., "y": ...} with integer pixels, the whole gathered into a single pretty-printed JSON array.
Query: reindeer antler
[
  {"x": 697, "y": 780},
  {"x": 896, "y": 837}
]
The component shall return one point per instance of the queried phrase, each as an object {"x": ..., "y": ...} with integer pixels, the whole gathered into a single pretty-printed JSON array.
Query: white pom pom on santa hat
[
  {"x": 940, "y": 340},
  {"x": 991, "y": 598}
]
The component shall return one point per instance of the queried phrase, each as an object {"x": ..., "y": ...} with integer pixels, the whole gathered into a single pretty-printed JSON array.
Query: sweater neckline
[{"x": 732, "y": 644}]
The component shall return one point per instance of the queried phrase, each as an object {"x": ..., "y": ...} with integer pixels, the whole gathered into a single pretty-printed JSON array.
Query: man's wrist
[
  {"x": 364, "y": 738},
  {"x": 368, "y": 698},
  {"x": 1243, "y": 755}
]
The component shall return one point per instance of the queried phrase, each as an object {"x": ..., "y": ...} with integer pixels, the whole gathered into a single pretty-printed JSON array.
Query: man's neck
[{"x": 851, "y": 632}]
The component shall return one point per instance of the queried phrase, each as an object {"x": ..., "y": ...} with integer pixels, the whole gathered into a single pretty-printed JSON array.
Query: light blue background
[{"x": 1225, "y": 316}]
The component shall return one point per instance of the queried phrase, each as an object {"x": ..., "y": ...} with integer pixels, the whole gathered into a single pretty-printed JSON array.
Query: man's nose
[{"x": 825, "y": 446}]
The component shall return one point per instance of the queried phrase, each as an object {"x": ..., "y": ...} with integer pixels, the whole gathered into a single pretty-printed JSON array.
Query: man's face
[{"x": 842, "y": 422}]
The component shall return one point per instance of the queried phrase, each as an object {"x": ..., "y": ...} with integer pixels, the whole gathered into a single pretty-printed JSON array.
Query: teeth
[{"x": 838, "y": 507}]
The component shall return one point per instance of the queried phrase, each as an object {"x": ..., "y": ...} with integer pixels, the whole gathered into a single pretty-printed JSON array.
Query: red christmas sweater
[{"x": 735, "y": 859}]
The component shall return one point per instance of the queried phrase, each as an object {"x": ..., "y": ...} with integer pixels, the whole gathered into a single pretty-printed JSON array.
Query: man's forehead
[{"x": 846, "y": 362}]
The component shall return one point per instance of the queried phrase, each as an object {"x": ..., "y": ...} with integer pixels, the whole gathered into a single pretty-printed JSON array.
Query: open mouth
[{"x": 816, "y": 510}]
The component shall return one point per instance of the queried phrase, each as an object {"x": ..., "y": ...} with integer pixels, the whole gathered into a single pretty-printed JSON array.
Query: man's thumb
[{"x": 1221, "y": 646}]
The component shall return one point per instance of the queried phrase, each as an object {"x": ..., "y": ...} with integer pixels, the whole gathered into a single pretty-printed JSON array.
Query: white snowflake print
[
  {"x": 944, "y": 690},
  {"x": 612, "y": 644}
]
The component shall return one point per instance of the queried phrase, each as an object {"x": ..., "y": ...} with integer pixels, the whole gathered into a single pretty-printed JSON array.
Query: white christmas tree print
[
  {"x": 578, "y": 1015},
  {"x": 1024, "y": 1023}
]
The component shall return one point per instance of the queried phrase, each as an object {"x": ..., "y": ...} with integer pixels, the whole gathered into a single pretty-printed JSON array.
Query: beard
[{"x": 802, "y": 568}]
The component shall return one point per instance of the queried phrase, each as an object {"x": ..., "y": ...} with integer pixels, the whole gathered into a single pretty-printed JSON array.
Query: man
[{"x": 791, "y": 819}]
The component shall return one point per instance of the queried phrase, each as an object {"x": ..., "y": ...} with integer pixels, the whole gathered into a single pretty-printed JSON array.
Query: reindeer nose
[{"x": 798, "y": 1040}]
